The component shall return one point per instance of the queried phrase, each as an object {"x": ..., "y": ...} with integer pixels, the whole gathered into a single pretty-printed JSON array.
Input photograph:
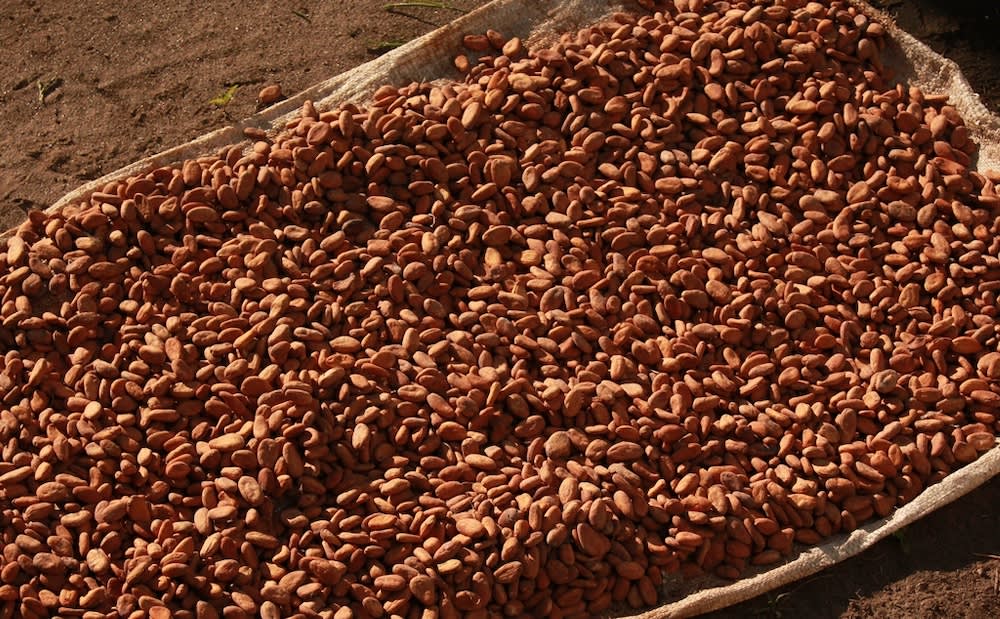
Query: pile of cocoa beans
[{"x": 671, "y": 295}]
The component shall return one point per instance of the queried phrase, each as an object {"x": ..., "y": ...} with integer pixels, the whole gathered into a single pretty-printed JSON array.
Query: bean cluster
[{"x": 670, "y": 295}]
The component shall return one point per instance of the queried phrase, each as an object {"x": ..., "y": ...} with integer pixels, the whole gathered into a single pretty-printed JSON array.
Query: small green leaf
[
  {"x": 47, "y": 88},
  {"x": 224, "y": 98},
  {"x": 904, "y": 542}
]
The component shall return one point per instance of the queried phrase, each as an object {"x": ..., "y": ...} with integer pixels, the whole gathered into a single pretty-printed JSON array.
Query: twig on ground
[
  {"x": 381, "y": 47},
  {"x": 425, "y": 4}
]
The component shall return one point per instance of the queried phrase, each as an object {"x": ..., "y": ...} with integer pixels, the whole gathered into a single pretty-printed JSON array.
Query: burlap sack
[{"x": 430, "y": 58}]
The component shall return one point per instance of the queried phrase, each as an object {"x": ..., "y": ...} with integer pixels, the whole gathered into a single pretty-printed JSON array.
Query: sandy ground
[{"x": 85, "y": 91}]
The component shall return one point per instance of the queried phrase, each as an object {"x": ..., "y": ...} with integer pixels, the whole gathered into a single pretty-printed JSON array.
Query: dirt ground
[{"x": 85, "y": 91}]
